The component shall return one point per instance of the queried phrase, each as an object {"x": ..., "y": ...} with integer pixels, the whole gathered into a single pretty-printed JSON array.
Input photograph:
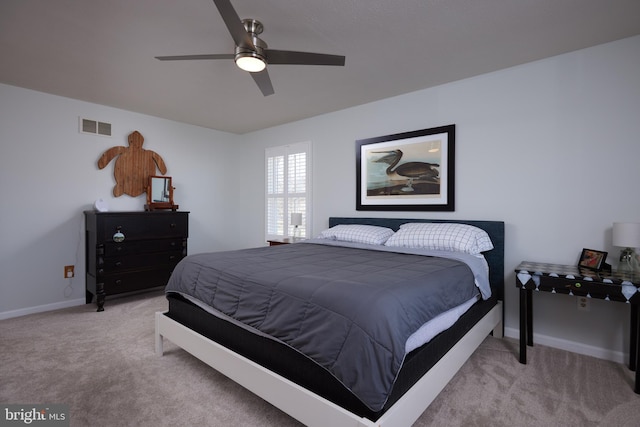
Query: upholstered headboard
[{"x": 495, "y": 230}]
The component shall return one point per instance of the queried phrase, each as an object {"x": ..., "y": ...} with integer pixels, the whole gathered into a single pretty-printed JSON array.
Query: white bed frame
[{"x": 311, "y": 409}]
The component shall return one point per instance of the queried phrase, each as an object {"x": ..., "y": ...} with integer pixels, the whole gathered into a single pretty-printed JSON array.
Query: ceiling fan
[{"x": 252, "y": 54}]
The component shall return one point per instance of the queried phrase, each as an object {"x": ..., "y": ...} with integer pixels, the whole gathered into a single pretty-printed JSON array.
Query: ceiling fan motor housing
[{"x": 254, "y": 28}]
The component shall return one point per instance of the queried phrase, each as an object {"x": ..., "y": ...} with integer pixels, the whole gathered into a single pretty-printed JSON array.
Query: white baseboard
[
  {"x": 572, "y": 346},
  {"x": 41, "y": 308}
]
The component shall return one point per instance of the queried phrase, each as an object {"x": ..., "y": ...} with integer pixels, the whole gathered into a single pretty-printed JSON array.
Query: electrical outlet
[
  {"x": 584, "y": 304},
  {"x": 68, "y": 271}
]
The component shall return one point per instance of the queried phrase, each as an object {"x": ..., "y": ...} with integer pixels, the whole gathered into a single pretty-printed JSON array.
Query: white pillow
[
  {"x": 442, "y": 236},
  {"x": 358, "y": 233}
]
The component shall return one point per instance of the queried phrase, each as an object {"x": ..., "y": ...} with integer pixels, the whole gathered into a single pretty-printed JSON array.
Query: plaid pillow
[
  {"x": 442, "y": 236},
  {"x": 357, "y": 233}
]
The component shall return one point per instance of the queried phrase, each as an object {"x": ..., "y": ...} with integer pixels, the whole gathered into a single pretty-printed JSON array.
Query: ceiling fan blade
[
  {"x": 302, "y": 58},
  {"x": 192, "y": 57},
  {"x": 234, "y": 24},
  {"x": 263, "y": 81}
]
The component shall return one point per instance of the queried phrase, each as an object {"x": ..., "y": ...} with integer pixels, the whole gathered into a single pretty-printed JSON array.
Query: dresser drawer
[
  {"x": 113, "y": 249},
  {"x": 136, "y": 281},
  {"x": 148, "y": 226},
  {"x": 140, "y": 261}
]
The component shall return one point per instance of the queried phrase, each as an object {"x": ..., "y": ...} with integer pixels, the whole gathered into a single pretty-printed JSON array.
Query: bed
[{"x": 306, "y": 387}]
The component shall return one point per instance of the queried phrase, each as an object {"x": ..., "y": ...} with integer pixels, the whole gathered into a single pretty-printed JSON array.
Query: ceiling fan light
[{"x": 250, "y": 62}]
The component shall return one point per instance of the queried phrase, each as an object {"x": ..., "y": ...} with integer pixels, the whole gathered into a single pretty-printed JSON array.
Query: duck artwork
[
  {"x": 409, "y": 171},
  {"x": 134, "y": 165}
]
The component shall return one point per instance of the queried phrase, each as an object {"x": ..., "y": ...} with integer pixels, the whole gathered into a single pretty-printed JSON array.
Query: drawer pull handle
[
  {"x": 118, "y": 281},
  {"x": 118, "y": 264},
  {"x": 173, "y": 225}
]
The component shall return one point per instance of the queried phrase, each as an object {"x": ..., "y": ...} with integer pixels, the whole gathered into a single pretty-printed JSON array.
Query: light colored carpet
[{"x": 104, "y": 367}]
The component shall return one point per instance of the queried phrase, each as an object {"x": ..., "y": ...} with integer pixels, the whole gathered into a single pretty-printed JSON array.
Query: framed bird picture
[{"x": 410, "y": 171}]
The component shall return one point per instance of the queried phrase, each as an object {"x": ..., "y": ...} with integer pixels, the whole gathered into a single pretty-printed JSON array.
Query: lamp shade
[
  {"x": 626, "y": 234},
  {"x": 296, "y": 218}
]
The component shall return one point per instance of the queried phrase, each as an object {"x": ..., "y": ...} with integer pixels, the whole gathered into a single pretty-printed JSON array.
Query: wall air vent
[{"x": 95, "y": 127}]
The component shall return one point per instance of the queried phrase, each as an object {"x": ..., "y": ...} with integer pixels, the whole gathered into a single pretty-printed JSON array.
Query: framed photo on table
[
  {"x": 410, "y": 171},
  {"x": 592, "y": 259}
]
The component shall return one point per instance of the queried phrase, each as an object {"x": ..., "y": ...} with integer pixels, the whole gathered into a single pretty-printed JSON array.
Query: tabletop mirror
[{"x": 160, "y": 193}]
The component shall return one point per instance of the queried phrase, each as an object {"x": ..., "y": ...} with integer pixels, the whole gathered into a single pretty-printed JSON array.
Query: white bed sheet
[{"x": 440, "y": 323}]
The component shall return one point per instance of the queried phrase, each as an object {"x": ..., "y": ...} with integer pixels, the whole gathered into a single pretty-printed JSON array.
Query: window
[{"x": 288, "y": 189}]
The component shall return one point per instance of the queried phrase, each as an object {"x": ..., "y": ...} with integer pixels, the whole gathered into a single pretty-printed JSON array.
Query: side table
[
  {"x": 571, "y": 280},
  {"x": 284, "y": 241},
  {"x": 276, "y": 242}
]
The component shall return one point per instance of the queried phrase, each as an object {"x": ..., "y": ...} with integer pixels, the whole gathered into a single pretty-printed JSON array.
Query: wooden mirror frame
[{"x": 166, "y": 202}]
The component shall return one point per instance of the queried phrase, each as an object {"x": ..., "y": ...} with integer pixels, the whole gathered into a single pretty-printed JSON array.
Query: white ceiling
[{"x": 103, "y": 51}]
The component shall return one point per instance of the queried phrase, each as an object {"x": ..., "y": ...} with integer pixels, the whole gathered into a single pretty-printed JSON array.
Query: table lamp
[
  {"x": 627, "y": 235},
  {"x": 296, "y": 221}
]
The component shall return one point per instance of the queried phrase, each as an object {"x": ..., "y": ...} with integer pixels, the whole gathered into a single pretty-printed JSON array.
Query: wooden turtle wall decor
[{"x": 133, "y": 167}]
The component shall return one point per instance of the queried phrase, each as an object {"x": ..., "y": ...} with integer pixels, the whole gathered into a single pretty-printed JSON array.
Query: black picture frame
[
  {"x": 592, "y": 259},
  {"x": 427, "y": 181}
]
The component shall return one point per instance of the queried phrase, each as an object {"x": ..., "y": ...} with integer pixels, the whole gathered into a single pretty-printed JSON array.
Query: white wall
[
  {"x": 551, "y": 148},
  {"x": 49, "y": 175}
]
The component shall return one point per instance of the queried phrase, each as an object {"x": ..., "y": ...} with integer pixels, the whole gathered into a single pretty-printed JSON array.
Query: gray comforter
[{"x": 349, "y": 309}]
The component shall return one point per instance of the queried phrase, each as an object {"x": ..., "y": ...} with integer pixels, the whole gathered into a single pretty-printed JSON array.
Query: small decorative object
[
  {"x": 592, "y": 259},
  {"x": 101, "y": 206},
  {"x": 627, "y": 235},
  {"x": 296, "y": 221},
  {"x": 411, "y": 171},
  {"x": 133, "y": 166},
  {"x": 118, "y": 236},
  {"x": 160, "y": 194}
]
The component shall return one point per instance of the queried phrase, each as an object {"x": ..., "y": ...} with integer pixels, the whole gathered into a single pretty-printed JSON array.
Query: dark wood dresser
[{"x": 132, "y": 251}]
